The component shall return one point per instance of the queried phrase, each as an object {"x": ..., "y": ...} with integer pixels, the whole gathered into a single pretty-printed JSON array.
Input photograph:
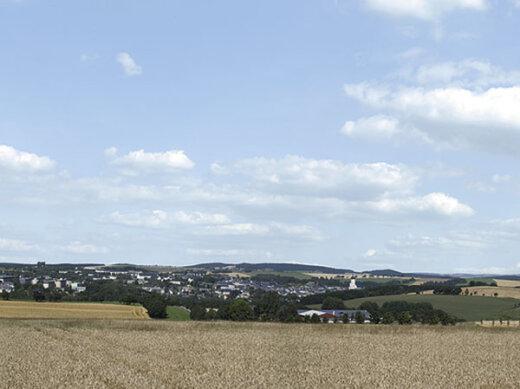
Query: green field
[
  {"x": 177, "y": 313},
  {"x": 470, "y": 308}
]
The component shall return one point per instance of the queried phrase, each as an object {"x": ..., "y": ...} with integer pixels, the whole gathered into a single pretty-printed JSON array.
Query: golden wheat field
[
  {"x": 491, "y": 290},
  {"x": 43, "y": 310},
  {"x": 154, "y": 354}
]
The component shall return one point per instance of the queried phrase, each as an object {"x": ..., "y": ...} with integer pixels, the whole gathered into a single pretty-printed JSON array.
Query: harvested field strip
[
  {"x": 121, "y": 354},
  {"x": 33, "y": 310}
]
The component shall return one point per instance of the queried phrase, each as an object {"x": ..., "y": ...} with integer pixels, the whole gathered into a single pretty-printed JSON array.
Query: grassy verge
[{"x": 177, "y": 313}]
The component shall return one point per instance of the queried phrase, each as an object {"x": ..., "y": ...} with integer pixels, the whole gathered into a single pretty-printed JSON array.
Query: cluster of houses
[
  {"x": 335, "y": 316},
  {"x": 188, "y": 283},
  {"x": 241, "y": 288}
]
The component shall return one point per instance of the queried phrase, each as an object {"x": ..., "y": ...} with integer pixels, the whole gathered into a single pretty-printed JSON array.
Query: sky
[{"x": 358, "y": 134}]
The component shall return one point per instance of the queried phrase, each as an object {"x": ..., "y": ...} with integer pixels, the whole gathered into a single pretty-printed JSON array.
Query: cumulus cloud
[
  {"x": 201, "y": 218},
  {"x": 78, "y": 247},
  {"x": 470, "y": 73},
  {"x": 161, "y": 219},
  {"x": 139, "y": 161},
  {"x": 151, "y": 219},
  {"x": 302, "y": 176},
  {"x": 271, "y": 230},
  {"x": 451, "y": 117},
  {"x": 229, "y": 253},
  {"x": 431, "y": 204},
  {"x": 17, "y": 245},
  {"x": 16, "y": 160},
  {"x": 430, "y": 10},
  {"x": 128, "y": 64},
  {"x": 379, "y": 127}
]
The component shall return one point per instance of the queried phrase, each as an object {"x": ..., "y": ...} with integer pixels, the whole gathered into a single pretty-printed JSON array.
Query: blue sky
[{"x": 358, "y": 134}]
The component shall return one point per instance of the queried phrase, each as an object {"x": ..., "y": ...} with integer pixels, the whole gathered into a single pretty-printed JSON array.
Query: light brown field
[
  {"x": 508, "y": 283},
  {"x": 239, "y": 275},
  {"x": 152, "y": 354},
  {"x": 491, "y": 290},
  {"x": 420, "y": 281},
  {"x": 330, "y": 275},
  {"x": 497, "y": 323},
  {"x": 34, "y": 310}
]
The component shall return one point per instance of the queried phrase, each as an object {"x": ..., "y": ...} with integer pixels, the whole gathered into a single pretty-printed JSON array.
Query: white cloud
[
  {"x": 465, "y": 73},
  {"x": 452, "y": 117},
  {"x": 271, "y": 230},
  {"x": 229, "y": 253},
  {"x": 501, "y": 179},
  {"x": 15, "y": 160},
  {"x": 305, "y": 177},
  {"x": 379, "y": 127},
  {"x": 239, "y": 229},
  {"x": 128, "y": 64},
  {"x": 151, "y": 219},
  {"x": 78, "y": 247},
  {"x": 370, "y": 253},
  {"x": 432, "y": 204},
  {"x": 201, "y": 218},
  {"x": 431, "y": 10},
  {"x": 139, "y": 161},
  {"x": 161, "y": 219},
  {"x": 17, "y": 245}
]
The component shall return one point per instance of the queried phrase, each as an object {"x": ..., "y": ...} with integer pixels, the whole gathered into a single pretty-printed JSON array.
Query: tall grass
[{"x": 133, "y": 354}]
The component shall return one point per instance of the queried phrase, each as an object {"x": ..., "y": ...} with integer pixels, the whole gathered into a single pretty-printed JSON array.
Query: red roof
[{"x": 327, "y": 315}]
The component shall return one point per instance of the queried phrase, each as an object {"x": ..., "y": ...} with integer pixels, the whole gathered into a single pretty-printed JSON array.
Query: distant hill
[
  {"x": 278, "y": 267},
  {"x": 386, "y": 272}
]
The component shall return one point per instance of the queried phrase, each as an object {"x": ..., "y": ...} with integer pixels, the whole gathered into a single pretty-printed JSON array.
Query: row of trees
[
  {"x": 405, "y": 313},
  {"x": 268, "y": 306}
]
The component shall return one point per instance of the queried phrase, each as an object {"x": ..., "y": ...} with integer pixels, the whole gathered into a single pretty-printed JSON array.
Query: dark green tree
[
  {"x": 38, "y": 296},
  {"x": 268, "y": 307},
  {"x": 359, "y": 317},
  {"x": 288, "y": 314},
  {"x": 345, "y": 319},
  {"x": 240, "y": 310},
  {"x": 373, "y": 309},
  {"x": 5, "y": 295},
  {"x": 332, "y": 303},
  {"x": 156, "y": 305},
  {"x": 315, "y": 319},
  {"x": 55, "y": 296},
  {"x": 388, "y": 318},
  {"x": 197, "y": 313},
  {"x": 404, "y": 318}
]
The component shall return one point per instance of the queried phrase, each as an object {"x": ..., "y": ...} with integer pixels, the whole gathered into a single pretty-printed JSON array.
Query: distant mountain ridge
[{"x": 279, "y": 267}]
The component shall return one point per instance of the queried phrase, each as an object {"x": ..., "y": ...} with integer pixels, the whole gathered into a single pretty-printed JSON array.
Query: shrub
[{"x": 388, "y": 318}]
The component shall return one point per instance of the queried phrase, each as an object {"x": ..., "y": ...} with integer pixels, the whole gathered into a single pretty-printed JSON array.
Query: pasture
[
  {"x": 177, "y": 313},
  {"x": 44, "y": 310},
  {"x": 164, "y": 354},
  {"x": 470, "y": 308}
]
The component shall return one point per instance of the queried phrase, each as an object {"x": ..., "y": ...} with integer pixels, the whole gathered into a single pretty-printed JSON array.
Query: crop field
[
  {"x": 508, "y": 283},
  {"x": 152, "y": 354},
  {"x": 34, "y": 310},
  {"x": 491, "y": 290},
  {"x": 471, "y": 308}
]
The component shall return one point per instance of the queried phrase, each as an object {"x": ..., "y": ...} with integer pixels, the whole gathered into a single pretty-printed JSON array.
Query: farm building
[{"x": 334, "y": 314}]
